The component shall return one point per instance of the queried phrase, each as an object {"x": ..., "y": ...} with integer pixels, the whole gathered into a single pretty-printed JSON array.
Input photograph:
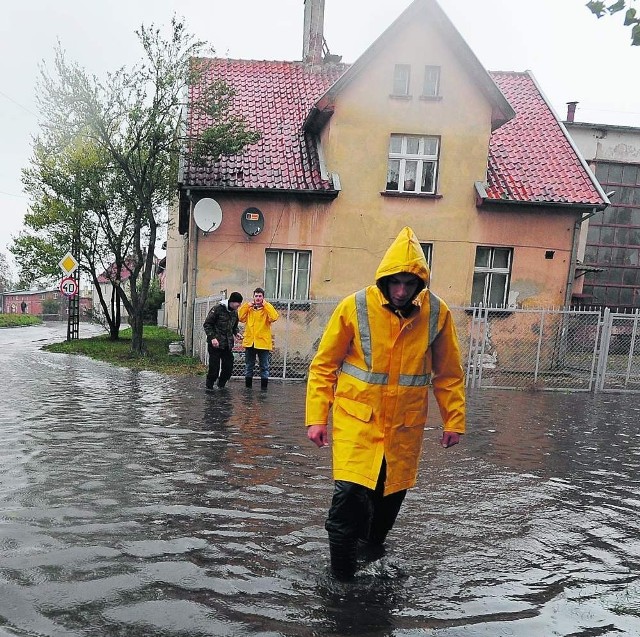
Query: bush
[{"x": 154, "y": 303}]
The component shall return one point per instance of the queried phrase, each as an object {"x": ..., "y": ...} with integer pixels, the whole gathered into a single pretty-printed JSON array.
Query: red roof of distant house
[
  {"x": 531, "y": 160},
  {"x": 109, "y": 275},
  {"x": 273, "y": 98}
]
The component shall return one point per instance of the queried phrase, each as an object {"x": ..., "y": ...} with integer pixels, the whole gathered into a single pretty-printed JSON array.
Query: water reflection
[{"x": 137, "y": 504}]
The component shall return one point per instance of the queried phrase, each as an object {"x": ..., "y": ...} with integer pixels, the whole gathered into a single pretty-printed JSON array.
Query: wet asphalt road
[{"x": 134, "y": 504}]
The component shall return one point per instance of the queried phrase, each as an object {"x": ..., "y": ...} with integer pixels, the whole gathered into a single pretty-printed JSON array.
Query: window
[
  {"x": 401, "y": 75},
  {"x": 491, "y": 276},
  {"x": 427, "y": 248},
  {"x": 287, "y": 274},
  {"x": 413, "y": 163},
  {"x": 431, "y": 86}
]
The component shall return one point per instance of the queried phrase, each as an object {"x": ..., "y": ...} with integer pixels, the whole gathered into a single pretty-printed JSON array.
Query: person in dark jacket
[{"x": 221, "y": 328}]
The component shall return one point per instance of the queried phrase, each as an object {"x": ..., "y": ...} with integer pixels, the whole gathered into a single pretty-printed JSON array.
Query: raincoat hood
[{"x": 404, "y": 255}]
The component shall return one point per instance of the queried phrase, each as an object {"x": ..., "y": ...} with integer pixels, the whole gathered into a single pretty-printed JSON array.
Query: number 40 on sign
[{"x": 69, "y": 286}]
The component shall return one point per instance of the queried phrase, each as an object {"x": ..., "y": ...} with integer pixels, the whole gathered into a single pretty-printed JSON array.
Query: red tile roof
[
  {"x": 531, "y": 159},
  {"x": 273, "y": 98}
]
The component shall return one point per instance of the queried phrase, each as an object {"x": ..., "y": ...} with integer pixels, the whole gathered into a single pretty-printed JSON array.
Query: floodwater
[{"x": 134, "y": 504}]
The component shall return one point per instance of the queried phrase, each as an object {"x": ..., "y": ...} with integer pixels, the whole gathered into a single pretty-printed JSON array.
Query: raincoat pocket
[{"x": 358, "y": 410}]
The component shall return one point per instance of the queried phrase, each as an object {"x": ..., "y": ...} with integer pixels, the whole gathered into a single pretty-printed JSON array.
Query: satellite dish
[
  {"x": 252, "y": 221},
  {"x": 207, "y": 214}
]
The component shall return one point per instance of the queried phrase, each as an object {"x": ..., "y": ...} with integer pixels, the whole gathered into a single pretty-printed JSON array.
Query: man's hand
[
  {"x": 318, "y": 435},
  {"x": 450, "y": 438},
  {"x": 214, "y": 342}
]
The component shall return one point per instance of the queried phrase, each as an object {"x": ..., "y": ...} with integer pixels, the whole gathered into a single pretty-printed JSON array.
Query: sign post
[{"x": 70, "y": 286}]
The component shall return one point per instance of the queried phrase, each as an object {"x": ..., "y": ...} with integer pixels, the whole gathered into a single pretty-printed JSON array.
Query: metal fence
[{"x": 539, "y": 349}]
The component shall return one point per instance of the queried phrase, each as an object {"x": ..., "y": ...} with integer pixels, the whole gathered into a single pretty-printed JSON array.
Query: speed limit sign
[{"x": 69, "y": 286}]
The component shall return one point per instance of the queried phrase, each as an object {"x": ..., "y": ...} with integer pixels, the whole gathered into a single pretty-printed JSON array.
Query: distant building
[
  {"x": 36, "y": 299},
  {"x": 610, "y": 242}
]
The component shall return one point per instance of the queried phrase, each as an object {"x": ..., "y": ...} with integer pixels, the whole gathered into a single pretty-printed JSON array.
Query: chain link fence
[{"x": 539, "y": 349}]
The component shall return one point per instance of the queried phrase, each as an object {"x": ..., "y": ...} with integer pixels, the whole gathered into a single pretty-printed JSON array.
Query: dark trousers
[
  {"x": 220, "y": 365},
  {"x": 250, "y": 354},
  {"x": 358, "y": 513}
]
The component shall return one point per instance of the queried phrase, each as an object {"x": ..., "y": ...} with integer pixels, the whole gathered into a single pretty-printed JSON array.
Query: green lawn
[
  {"x": 156, "y": 357},
  {"x": 18, "y": 320}
]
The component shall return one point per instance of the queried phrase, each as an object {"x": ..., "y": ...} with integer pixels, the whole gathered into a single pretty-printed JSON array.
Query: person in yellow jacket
[
  {"x": 257, "y": 341},
  {"x": 381, "y": 350}
]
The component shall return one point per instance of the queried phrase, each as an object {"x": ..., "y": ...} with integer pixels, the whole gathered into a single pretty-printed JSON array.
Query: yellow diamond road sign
[{"x": 68, "y": 264}]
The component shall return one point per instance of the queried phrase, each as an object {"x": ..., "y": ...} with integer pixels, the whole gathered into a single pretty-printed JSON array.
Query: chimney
[
  {"x": 313, "y": 37},
  {"x": 571, "y": 111}
]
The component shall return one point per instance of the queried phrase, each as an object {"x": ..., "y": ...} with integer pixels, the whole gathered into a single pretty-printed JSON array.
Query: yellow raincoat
[
  {"x": 257, "y": 332},
  {"x": 375, "y": 366}
]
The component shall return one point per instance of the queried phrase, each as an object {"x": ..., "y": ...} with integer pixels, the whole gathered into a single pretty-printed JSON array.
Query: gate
[
  {"x": 542, "y": 349},
  {"x": 619, "y": 361}
]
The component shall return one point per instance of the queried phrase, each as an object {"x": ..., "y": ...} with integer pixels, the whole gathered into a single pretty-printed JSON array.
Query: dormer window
[
  {"x": 401, "y": 77},
  {"x": 431, "y": 86}
]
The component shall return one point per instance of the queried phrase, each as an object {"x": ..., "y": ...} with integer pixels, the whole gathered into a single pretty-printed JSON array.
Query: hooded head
[{"x": 404, "y": 255}]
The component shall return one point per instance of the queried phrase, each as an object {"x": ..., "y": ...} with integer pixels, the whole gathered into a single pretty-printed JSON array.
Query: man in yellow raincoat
[
  {"x": 257, "y": 340},
  {"x": 380, "y": 351}
]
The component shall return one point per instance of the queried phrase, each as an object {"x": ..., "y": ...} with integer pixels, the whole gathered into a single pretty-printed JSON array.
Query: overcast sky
[{"x": 573, "y": 55}]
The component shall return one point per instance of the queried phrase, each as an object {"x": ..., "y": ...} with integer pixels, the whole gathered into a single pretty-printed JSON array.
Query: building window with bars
[
  {"x": 491, "y": 276},
  {"x": 413, "y": 164},
  {"x": 287, "y": 274}
]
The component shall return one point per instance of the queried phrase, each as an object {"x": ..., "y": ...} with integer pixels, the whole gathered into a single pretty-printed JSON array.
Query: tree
[
  {"x": 6, "y": 282},
  {"x": 74, "y": 207},
  {"x": 631, "y": 18},
  {"x": 134, "y": 118}
]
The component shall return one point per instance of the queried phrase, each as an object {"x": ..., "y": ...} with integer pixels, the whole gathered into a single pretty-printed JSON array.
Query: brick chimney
[
  {"x": 571, "y": 111},
  {"x": 313, "y": 36}
]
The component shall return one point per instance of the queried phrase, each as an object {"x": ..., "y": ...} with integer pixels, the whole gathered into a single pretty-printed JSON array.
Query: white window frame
[
  {"x": 427, "y": 249},
  {"x": 407, "y": 162},
  {"x": 488, "y": 273},
  {"x": 401, "y": 79},
  {"x": 431, "y": 88},
  {"x": 293, "y": 275}
]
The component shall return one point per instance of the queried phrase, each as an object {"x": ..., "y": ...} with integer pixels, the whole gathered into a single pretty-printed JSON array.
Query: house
[
  {"x": 609, "y": 251},
  {"x": 111, "y": 278},
  {"x": 415, "y": 132},
  {"x": 36, "y": 300}
]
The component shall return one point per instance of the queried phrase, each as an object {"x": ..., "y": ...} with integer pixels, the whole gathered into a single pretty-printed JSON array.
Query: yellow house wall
[
  {"x": 356, "y": 147},
  {"x": 535, "y": 281},
  {"x": 176, "y": 254}
]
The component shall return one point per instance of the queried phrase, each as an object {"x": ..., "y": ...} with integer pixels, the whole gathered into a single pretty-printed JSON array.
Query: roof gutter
[
  {"x": 483, "y": 199},
  {"x": 271, "y": 192}
]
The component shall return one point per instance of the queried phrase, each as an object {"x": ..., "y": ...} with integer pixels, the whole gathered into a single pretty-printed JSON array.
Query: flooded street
[{"x": 134, "y": 504}]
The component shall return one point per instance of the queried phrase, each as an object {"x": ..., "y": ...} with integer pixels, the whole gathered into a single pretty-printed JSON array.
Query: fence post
[
  {"x": 471, "y": 368},
  {"x": 605, "y": 338},
  {"x": 286, "y": 342},
  {"x": 538, "y": 349},
  {"x": 484, "y": 333}
]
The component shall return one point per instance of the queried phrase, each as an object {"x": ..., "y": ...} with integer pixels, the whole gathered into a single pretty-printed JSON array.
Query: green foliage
[
  {"x": 156, "y": 352},
  {"x": 155, "y": 299},
  {"x": 631, "y": 19},
  {"x": 19, "y": 320},
  {"x": 104, "y": 168},
  {"x": 6, "y": 280},
  {"x": 50, "y": 306}
]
